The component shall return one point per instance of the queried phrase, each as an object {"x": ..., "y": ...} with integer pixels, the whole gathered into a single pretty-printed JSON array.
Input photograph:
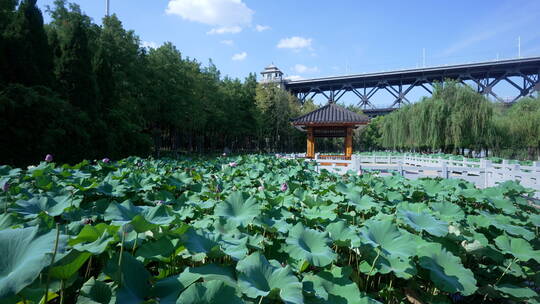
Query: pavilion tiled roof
[{"x": 331, "y": 114}]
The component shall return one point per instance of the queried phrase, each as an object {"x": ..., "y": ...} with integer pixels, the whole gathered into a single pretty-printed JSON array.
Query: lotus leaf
[
  {"x": 310, "y": 245},
  {"x": 168, "y": 289},
  {"x": 120, "y": 214},
  {"x": 423, "y": 221},
  {"x": 201, "y": 242},
  {"x": 25, "y": 252},
  {"x": 66, "y": 267},
  {"x": 93, "y": 239},
  {"x": 334, "y": 286},
  {"x": 448, "y": 211},
  {"x": 342, "y": 234},
  {"x": 94, "y": 291},
  {"x": 392, "y": 249},
  {"x": 48, "y": 205},
  {"x": 321, "y": 212},
  {"x": 238, "y": 208},
  {"x": 446, "y": 270},
  {"x": 516, "y": 291},
  {"x": 134, "y": 282},
  {"x": 257, "y": 277},
  {"x": 517, "y": 247},
  {"x": 158, "y": 250},
  {"x": 212, "y": 292}
]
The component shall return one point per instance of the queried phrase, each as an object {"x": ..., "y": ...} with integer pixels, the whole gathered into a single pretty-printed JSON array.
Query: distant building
[{"x": 272, "y": 74}]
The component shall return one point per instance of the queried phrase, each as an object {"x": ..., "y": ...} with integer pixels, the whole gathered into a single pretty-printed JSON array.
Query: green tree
[
  {"x": 119, "y": 65},
  {"x": 26, "y": 55},
  {"x": 454, "y": 118},
  {"x": 276, "y": 107}
]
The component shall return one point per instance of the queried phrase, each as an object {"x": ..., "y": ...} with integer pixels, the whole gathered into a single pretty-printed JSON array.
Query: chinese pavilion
[{"x": 330, "y": 121}]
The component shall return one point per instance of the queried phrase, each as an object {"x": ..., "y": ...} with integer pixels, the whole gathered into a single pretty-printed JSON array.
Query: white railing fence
[{"x": 483, "y": 173}]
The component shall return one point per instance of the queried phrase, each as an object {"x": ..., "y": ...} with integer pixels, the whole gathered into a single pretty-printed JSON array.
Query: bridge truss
[{"x": 523, "y": 74}]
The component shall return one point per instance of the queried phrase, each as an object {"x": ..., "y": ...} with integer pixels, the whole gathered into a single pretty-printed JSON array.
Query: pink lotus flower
[
  {"x": 359, "y": 172},
  {"x": 233, "y": 164},
  {"x": 49, "y": 158},
  {"x": 284, "y": 187},
  {"x": 261, "y": 188},
  {"x": 277, "y": 155},
  {"x": 224, "y": 154},
  {"x": 106, "y": 160}
]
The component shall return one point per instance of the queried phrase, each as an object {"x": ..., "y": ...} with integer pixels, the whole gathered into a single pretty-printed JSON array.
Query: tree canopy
[
  {"x": 456, "y": 118},
  {"x": 80, "y": 90}
]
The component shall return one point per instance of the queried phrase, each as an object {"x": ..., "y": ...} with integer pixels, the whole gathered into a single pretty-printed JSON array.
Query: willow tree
[
  {"x": 516, "y": 130},
  {"x": 468, "y": 117},
  {"x": 454, "y": 118}
]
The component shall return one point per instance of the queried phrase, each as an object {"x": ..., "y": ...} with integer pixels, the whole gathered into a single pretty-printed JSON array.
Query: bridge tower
[{"x": 272, "y": 74}]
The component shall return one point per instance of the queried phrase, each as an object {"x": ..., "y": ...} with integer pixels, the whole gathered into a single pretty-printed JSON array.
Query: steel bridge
[{"x": 483, "y": 76}]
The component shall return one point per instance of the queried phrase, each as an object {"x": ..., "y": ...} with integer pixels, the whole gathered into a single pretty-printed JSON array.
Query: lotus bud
[
  {"x": 6, "y": 187},
  {"x": 284, "y": 187},
  {"x": 359, "y": 172},
  {"x": 233, "y": 164},
  {"x": 106, "y": 160},
  {"x": 224, "y": 154},
  {"x": 49, "y": 158},
  {"x": 87, "y": 221},
  {"x": 261, "y": 188}
]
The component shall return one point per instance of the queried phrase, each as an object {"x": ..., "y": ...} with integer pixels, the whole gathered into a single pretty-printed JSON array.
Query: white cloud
[
  {"x": 239, "y": 56},
  {"x": 294, "y": 42},
  {"x": 300, "y": 68},
  {"x": 212, "y": 12},
  {"x": 235, "y": 29},
  {"x": 149, "y": 44},
  {"x": 261, "y": 28},
  {"x": 227, "y": 42},
  {"x": 294, "y": 77}
]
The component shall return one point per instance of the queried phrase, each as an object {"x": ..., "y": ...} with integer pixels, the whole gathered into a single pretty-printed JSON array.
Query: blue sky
[{"x": 323, "y": 38}]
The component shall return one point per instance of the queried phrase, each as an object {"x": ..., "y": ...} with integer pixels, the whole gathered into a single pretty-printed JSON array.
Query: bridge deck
[
  {"x": 485, "y": 75},
  {"x": 409, "y": 76}
]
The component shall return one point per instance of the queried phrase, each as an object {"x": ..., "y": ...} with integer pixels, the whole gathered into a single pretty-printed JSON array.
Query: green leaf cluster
[{"x": 160, "y": 231}]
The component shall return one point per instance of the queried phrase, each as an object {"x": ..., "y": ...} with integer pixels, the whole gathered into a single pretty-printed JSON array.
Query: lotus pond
[{"x": 258, "y": 229}]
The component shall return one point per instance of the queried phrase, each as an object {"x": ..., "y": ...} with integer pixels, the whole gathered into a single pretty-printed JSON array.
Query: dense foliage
[
  {"x": 81, "y": 90},
  {"x": 516, "y": 130},
  {"x": 260, "y": 229},
  {"x": 456, "y": 118}
]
